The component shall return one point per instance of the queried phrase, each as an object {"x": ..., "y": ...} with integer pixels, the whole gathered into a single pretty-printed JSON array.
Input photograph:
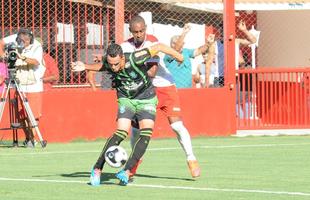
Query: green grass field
[{"x": 250, "y": 168}]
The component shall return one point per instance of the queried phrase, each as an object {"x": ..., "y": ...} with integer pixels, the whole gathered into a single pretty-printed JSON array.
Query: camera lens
[{"x": 12, "y": 56}]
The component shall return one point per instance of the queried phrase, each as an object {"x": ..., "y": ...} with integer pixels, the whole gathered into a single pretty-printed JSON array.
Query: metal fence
[{"x": 75, "y": 29}]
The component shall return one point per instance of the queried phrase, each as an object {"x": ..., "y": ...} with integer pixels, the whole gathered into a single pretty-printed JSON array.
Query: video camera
[{"x": 12, "y": 50}]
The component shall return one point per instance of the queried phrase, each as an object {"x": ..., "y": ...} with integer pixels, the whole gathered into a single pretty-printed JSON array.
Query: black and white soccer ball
[{"x": 116, "y": 156}]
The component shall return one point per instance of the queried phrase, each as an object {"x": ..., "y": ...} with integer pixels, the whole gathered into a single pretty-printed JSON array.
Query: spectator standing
[
  {"x": 182, "y": 72},
  {"x": 51, "y": 74},
  {"x": 201, "y": 78}
]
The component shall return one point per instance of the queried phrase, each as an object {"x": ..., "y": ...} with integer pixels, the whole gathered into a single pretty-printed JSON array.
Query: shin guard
[{"x": 139, "y": 148}]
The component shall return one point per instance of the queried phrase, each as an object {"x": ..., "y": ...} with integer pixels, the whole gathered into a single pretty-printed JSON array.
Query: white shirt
[
  {"x": 34, "y": 51},
  {"x": 163, "y": 78}
]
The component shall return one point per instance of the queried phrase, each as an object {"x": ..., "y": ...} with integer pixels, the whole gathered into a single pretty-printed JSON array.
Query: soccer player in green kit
[{"x": 136, "y": 100}]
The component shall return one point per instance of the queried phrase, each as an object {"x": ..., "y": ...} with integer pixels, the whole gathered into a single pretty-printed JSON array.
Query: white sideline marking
[
  {"x": 272, "y": 132},
  {"x": 168, "y": 187},
  {"x": 158, "y": 149}
]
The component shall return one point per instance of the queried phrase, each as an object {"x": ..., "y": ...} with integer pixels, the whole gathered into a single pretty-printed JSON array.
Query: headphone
[{"x": 27, "y": 32}]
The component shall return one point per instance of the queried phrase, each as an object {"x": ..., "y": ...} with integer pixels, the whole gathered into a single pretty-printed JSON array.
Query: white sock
[{"x": 184, "y": 139}]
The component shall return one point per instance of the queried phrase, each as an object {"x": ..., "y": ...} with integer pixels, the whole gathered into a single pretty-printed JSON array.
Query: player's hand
[
  {"x": 77, "y": 66},
  {"x": 90, "y": 79}
]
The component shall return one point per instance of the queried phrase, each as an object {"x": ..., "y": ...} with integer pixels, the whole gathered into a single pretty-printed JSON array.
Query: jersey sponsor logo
[
  {"x": 133, "y": 86},
  {"x": 150, "y": 108},
  {"x": 176, "y": 109}
]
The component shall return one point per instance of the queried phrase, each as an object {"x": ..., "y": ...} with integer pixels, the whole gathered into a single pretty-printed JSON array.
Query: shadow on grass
[
  {"x": 108, "y": 176},
  {"x": 163, "y": 177},
  {"x": 104, "y": 179},
  {"x": 9, "y": 144}
]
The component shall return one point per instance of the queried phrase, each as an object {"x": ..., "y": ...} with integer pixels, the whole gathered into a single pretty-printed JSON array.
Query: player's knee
[
  {"x": 177, "y": 126},
  {"x": 135, "y": 132}
]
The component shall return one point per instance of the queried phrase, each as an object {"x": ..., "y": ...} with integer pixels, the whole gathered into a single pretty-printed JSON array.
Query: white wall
[{"x": 284, "y": 38}]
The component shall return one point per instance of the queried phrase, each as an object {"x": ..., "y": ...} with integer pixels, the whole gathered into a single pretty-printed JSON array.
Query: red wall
[{"x": 70, "y": 114}]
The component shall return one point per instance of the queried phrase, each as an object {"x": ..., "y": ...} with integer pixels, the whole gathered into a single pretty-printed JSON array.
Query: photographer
[{"x": 29, "y": 70}]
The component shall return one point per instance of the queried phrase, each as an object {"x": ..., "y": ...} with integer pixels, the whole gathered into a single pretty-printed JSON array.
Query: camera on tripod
[{"x": 12, "y": 50}]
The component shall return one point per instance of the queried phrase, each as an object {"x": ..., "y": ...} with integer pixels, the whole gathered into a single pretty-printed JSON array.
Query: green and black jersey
[{"x": 133, "y": 82}]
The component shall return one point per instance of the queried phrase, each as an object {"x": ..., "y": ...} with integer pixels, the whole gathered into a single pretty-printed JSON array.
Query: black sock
[
  {"x": 139, "y": 148},
  {"x": 115, "y": 139}
]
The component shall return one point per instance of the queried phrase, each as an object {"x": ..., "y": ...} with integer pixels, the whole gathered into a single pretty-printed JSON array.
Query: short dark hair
[
  {"x": 136, "y": 19},
  {"x": 24, "y": 31},
  {"x": 114, "y": 50}
]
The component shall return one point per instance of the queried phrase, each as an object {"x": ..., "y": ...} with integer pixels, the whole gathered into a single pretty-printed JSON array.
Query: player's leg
[
  {"x": 141, "y": 144},
  {"x": 119, "y": 135},
  {"x": 183, "y": 136},
  {"x": 169, "y": 99},
  {"x": 146, "y": 110},
  {"x": 133, "y": 139},
  {"x": 186, "y": 143},
  {"x": 137, "y": 152},
  {"x": 125, "y": 114},
  {"x": 134, "y": 132}
]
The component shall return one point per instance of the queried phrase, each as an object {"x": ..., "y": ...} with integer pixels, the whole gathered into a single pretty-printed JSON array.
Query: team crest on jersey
[
  {"x": 133, "y": 75},
  {"x": 122, "y": 109}
]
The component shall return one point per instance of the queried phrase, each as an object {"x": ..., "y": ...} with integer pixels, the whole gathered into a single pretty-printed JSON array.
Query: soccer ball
[{"x": 116, "y": 156}]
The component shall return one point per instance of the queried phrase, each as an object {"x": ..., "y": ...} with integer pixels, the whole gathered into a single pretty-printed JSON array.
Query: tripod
[{"x": 11, "y": 82}]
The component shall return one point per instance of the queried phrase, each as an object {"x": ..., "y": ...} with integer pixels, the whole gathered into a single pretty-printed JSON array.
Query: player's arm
[
  {"x": 90, "y": 76},
  {"x": 80, "y": 66},
  {"x": 91, "y": 69},
  {"x": 152, "y": 71},
  {"x": 159, "y": 47},
  {"x": 152, "y": 65}
]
